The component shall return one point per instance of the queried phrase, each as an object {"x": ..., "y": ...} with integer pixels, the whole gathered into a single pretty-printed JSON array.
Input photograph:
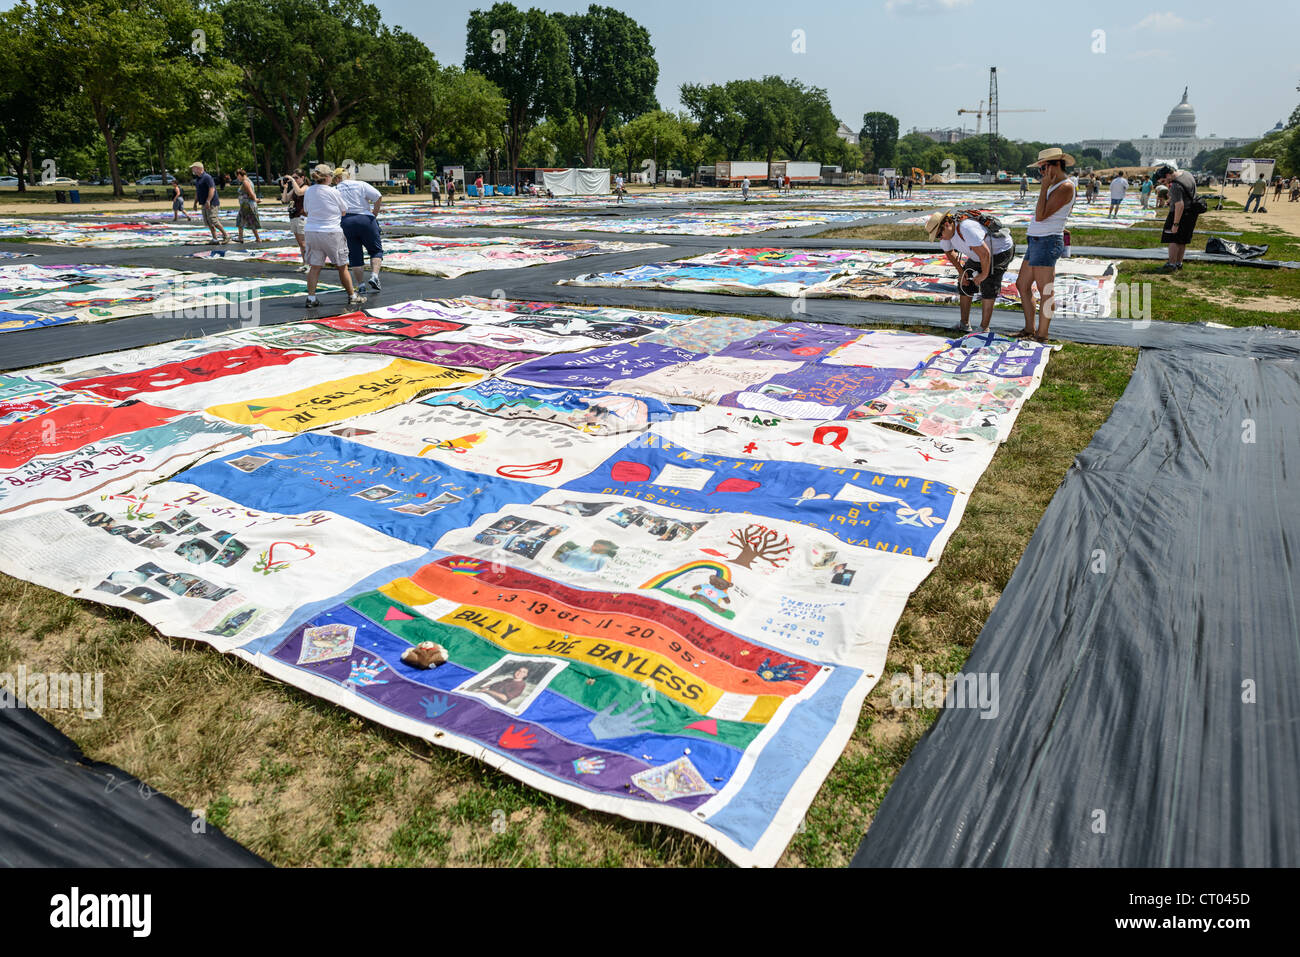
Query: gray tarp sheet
[
  {"x": 1162, "y": 690},
  {"x": 59, "y": 809}
]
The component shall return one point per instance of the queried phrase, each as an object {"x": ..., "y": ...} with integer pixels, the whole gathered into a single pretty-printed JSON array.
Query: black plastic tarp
[
  {"x": 59, "y": 809},
  {"x": 1147, "y": 648}
]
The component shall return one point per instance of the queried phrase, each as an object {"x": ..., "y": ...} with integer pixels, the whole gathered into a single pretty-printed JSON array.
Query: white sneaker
[
  {"x": 964, "y": 327},
  {"x": 373, "y": 283},
  {"x": 356, "y": 299}
]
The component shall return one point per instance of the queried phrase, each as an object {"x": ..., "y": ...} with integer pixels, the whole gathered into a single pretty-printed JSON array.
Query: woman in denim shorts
[{"x": 1046, "y": 241}]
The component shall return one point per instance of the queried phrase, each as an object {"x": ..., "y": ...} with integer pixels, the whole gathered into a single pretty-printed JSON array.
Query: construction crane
[{"x": 993, "y": 112}]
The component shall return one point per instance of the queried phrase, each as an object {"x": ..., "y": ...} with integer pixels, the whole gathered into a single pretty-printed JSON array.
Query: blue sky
[{"x": 922, "y": 59}]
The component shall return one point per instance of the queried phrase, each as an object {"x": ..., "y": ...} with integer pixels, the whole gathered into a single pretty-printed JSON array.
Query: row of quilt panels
[
  {"x": 34, "y": 296},
  {"x": 1084, "y": 288}
]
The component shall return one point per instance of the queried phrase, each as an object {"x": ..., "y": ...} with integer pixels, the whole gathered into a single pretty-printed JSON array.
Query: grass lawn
[
  {"x": 305, "y": 783},
  {"x": 1201, "y": 292}
]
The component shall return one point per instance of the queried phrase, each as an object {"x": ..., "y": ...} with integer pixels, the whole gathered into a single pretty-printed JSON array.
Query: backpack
[{"x": 984, "y": 218}]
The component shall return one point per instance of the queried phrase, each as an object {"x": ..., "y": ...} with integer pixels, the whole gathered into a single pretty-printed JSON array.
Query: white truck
[
  {"x": 372, "y": 172},
  {"x": 732, "y": 172},
  {"x": 799, "y": 171}
]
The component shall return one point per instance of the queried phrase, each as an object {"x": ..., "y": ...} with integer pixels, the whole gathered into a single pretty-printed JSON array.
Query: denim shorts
[
  {"x": 1044, "y": 250},
  {"x": 362, "y": 230}
]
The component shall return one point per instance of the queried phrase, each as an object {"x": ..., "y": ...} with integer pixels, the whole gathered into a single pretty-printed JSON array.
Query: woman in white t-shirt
[
  {"x": 361, "y": 227},
  {"x": 323, "y": 239},
  {"x": 1045, "y": 241},
  {"x": 986, "y": 258}
]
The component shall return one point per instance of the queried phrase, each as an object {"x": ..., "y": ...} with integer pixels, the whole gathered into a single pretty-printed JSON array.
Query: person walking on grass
[
  {"x": 323, "y": 234},
  {"x": 1045, "y": 241},
  {"x": 205, "y": 196},
  {"x": 1257, "y": 191},
  {"x": 178, "y": 201},
  {"x": 361, "y": 227},
  {"x": 1118, "y": 187},
  {"x": 986, "y": 257},
  {"x": 247, "y": 207},
  {"x": 1145, "y": 191},
  {"x": 292, "y": 190},
  {"x": 1180, "y": 222}
]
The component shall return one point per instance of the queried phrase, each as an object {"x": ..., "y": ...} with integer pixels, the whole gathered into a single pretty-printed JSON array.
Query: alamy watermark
[
  {"x": 932, "y": 689},
  {"x": 60, "y": 691}
]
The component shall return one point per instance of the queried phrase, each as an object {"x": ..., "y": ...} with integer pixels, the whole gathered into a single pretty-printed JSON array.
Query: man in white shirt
[
  {"x": 1118, "y": 187},
  {"x": 987, "y": 256},
  {"x": 361, "y": 226},
  {"x": 618, "y": 187},
  {"x": 744, "y": 189},
  {"x": 323, "y": 238}
]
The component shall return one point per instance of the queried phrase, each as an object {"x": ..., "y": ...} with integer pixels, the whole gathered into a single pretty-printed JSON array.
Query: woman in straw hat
[{"x": 1045, "y": 243}]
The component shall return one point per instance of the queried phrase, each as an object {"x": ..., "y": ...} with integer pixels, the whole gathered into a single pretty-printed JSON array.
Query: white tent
[{"x": 577, "y": 182}]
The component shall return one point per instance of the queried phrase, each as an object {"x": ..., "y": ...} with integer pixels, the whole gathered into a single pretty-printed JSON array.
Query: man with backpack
[
  {"x": 1184, "y": 208},
  {"x": 988, "y": 250}
]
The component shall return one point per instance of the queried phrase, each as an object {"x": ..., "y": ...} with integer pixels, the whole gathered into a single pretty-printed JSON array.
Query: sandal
[
  {"x": 1022, "y": 334},
  {"x": 1039, "y": 339}
]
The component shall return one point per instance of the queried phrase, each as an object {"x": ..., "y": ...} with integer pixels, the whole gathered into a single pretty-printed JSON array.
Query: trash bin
[
  {"x": 74, "y": 195},
  {"x": 60, "y": 196},
  {"x": 487, "y": 189}
]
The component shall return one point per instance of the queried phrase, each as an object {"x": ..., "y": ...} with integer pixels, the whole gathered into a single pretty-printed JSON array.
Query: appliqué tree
[{"x": 760, "y": 542}]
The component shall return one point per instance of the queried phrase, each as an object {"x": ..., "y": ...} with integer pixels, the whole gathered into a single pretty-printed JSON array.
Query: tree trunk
[
  {"x": 27, "y": 153},
  {"x": 589, "y": 139},
  {"x": 113, "y": 173},
  {"x": 419, "y": 166},
  {"x": 24, "y": 151}
]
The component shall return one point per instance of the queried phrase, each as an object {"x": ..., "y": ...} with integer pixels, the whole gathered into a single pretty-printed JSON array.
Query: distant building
[
  {"x": 943, "y": 136},
  {"x": 1177, "y": 142},
  {"x": 846, "y": 134}
]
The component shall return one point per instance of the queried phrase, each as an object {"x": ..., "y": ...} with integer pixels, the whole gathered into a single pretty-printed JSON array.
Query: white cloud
[
  {"x": 924, "y": 6},
  {"x": 1168, "y": 21}
]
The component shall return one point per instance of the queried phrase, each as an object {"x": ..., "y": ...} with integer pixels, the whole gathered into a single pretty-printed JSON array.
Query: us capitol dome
[{"x": 1177, "y": 143}]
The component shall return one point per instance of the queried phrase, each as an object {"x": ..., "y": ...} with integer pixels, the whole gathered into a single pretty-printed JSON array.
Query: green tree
[
  {"x": 767, "y": 106},
  {"x": 33, "y": 89},
  {"x": 714, "y": 108},
  {"x": 469, "y": 113},
  {"x": 650, "y": 135},
  {"x": 614, "y": 70},
  {"x": 526, "y": 54},
  {"x": 1126, "y": 154},
  {"x": 812, "y": 122},
  {"x": 121, "y": 60},
  {"x": 306, "y": 67},
  {"x": 881, "y": 131}
]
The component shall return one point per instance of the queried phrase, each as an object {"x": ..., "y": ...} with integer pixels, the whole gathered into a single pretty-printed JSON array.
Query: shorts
[
  {"x": 325, "y": 246},
  {"x": 210, "y": 216},
  {"x": 299, "y": 225},
  {"x": 362, "y": 230},
  {"x": 1186, "y": 226},
  {"x": 178, "y": 204},
  {"x": 1044, "y": 250},
  {"x": 992, "y": 283}
]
